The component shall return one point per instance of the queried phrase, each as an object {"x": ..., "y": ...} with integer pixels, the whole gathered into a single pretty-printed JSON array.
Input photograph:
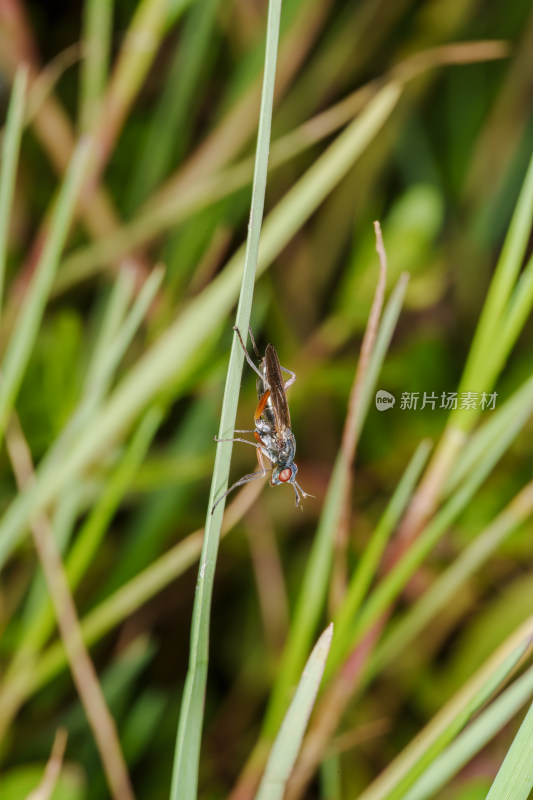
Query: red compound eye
[{"x": 285, "y": 475}]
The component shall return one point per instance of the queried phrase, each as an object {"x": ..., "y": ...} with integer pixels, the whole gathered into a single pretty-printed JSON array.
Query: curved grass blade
[
  {"x": 287, "y": 743},
  {"x": 514, "y": 780}
]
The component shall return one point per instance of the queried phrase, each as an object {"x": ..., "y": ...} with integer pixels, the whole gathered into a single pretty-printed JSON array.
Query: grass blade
[
  {"x": 187, "y": 753},
  {"x": 514, "y": 780},
  {"x": 287, "y": 743},
  {"x": 369, "y": 561},
  {"x": 505, "y": 275},
  {"x": 97, "y": 26},
  {"x": 10, "y": 154},
  {"x": 172, "y": 120},
  {"x": 28, "y": 321}
]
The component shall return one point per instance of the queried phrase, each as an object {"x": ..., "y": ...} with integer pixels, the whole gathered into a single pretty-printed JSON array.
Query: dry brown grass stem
[
  {"x": 352, "y": 426},
  {"x": 82, "y": 668},
  {"x": 52, "y": 771}
]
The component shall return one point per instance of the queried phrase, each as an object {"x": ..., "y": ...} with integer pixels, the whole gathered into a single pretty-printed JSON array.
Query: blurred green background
[{"x": 442, "y": 174}]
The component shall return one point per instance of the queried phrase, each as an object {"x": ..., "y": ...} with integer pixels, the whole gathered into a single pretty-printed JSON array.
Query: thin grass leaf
[
  {"x": 110, "y": 349},
  {"x": 97, "y": 27},
  {"x": 172, "y": 119},
  {"x": 70, "y": 501},
  {"x": 488, "y": 330},
  {"x": 514, "y": 780},
  {"x": 63, "y": 524},
  {"x": 171, "y": 354},
  {"x": 287, "y": 743},
  {"x": 135, "y": 58},
  {"x": 517, "y": 313},
  {"x": 487, "y": 435},
  {"x": 187, "y": 753},
  {"x": 122, "y": 292},
  {"x": 331, "y": 778},
  {"x": 312, "y": 596},
  {"x": 10, "y": 154},
  {"x": 28, "y": 321},
  {"x": 369, "y": 561},
  {"x": 473, "y": 739},
  {"x": 108, "y": 362},
  {"x": 93, "y": 529}
]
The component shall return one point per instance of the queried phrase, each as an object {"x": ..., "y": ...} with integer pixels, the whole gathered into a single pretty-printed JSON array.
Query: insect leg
[
  {"x": 291, "y": 379},
  {"x": 304, "y": 494},
  {"x": 249, "y": 360},
  {"x": 253, "y": 476},
  {"x": 256, "y": 351},
  {"x": 237, "y": 439}
]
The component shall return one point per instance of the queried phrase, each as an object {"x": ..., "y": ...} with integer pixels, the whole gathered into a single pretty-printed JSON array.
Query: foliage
[{"x": 129, "y": 164}]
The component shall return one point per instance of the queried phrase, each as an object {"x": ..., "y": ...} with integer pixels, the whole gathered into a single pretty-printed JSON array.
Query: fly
[{"x": 273, "y": 436}]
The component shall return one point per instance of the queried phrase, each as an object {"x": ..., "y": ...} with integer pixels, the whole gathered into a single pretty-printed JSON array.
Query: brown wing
[{"x": 277, "y": 388}]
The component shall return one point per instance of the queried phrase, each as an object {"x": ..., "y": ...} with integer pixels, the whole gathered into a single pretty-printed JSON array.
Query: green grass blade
[
  {"x": 10, "y": 154},
  {"x": 97, "y": 27},
  {"x": 514, "y": 780},
  {"x": 29, "y": 319},
  {"x": 187, "y": 753},
  {"x": 171, "y": 121},
  {"x": 517, "y": 313},
  {"x": 505, "y": 275},
  {"x": 369, "y": 561},
  {"x": 115, "y": 311},
  {"x": 473, "y": 739},
  {"x": 108, "y": 362},
  {"x": 487, "y": 435},
  {"x": 312, "y": 596},
  {"x": 288, "y": 741},
  {"x": 93, "y": 529},
  {"x": 118, "y": 607}
]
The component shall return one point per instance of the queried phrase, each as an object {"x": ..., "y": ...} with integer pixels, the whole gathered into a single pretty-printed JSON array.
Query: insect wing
[{"x": 277, "y": 389}]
